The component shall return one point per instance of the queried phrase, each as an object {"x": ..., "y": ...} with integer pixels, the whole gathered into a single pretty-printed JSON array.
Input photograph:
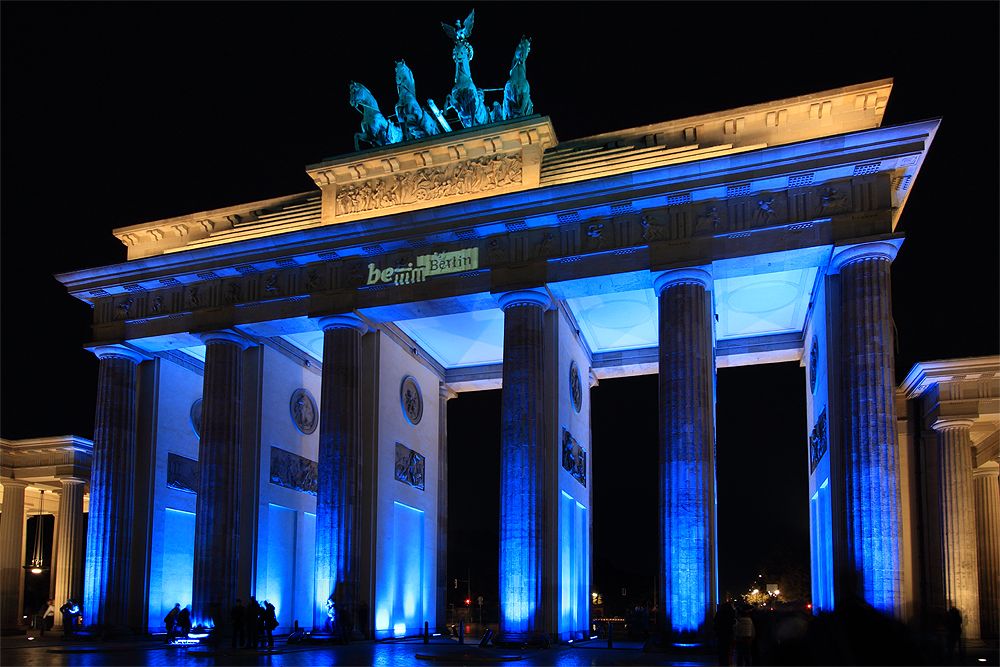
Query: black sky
[{"x": 115, "y": 114}]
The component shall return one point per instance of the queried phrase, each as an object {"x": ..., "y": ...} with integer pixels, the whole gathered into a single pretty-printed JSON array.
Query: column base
[{"x": 671, "y": 642}]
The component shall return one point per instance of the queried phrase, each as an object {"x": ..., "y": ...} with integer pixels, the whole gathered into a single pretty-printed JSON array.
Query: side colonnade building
[{"x": 274, "y": 376}]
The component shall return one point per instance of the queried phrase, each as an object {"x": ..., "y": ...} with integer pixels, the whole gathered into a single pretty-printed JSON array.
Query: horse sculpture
[
  {"x": 416, "y": 122},
  {"x": 376, "y": 129},
  {"x": 517, "y": 92},
  {"x": 465, "y": 98}
]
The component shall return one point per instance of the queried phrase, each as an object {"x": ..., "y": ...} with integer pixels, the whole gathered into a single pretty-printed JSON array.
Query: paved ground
[
  {"x": 44, "y": 652},
  {"x": 52, "y": 651}
]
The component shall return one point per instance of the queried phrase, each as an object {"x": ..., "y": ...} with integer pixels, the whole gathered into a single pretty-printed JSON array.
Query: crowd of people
[{"x": 251, "y": 625}]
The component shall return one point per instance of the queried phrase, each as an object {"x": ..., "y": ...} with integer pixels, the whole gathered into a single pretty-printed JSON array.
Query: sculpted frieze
[{"x": 482, "y": 174}]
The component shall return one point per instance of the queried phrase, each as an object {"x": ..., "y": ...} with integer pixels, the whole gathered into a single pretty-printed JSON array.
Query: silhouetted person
[
  {"x": 953, "y": 632},
  {"x": 48, "y": 616},
  {"x": 238, "y": 617},
  {"x": 744, "y": 634},
  {"x": 252, "y": 620},
  {"x": 184, "y": 622},
  {"x": 170, "y": 620},
  {"x": 70, "y": 612},
  {"x": 270, "y": 623},
  {"x": 725, "y": 622}
]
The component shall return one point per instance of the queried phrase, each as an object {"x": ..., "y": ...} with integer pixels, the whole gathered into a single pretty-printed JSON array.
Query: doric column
[
  {"x": 109, "y": 524},
  {"x": 987, "y": 492},
  {"x": 868, "y": 427},
  {"x": 338, "y": 498},
  {"x": 986, "y": 483},
  {"x": 445, "y": 395},
  {"x": 216, "y": 533},
  {"x": 521, "y": 465},
  {"x": 67, "y": 566},
  {"x": 687, "y": 452},
  {"x": 958, "y": 520},
  {"x": 11, "y": 544}
]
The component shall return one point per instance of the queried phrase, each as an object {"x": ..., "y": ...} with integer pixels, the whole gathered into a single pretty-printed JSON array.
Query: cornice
[{"x": 926, "y": 374}]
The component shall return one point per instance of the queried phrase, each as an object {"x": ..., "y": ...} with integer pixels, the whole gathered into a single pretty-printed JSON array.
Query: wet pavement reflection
[{"x": 17, "y": 651}]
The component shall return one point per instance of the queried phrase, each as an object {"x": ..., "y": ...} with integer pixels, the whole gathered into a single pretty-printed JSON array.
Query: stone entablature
[
  {"x": 803, "y": 171},
  {"x": 802, "y": 217},
  {"x": 42, "y": 461},
  {"x": 959, "y": 389},
  {"x": 507, "y": 157}
]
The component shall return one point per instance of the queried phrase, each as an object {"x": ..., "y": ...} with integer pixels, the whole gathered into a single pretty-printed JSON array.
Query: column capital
[
  {"x": 342, "y": 321},
  {"x": 693, "y": 275},
  {"x": 948, "y": 423},
  {"x": 11, "y": 483},
  {"x": 873, "y": 250},
  {"x": 988, "y": 469},
  {"x": 535, "y": 296},
  {"x": 117, "y": 351},
  {"x": 207, "y": 337},
  {"x": 445, "y": 392},
  {"x": 71, "y": 480}
]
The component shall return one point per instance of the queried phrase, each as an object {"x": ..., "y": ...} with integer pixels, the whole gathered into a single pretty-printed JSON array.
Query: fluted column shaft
[
  {"x": 68, "y": 561},
  {"x": 521, "y": 465},
  {"x": 958, "y": 521},
  {"x": 338, "y": 498},
  {"x": 987, "y": 492},
  {"x": 445, "y": 394},
  {"x": 686, "y": 452},
  {"x": 11, "y": 543},
  {"x": 871, "y": 457},
  {"x": 216, "y": 534},
  {"x": 109, "y": 524}
]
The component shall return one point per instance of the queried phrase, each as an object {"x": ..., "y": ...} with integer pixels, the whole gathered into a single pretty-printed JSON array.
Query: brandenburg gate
[{"x": 274, "y": 376}]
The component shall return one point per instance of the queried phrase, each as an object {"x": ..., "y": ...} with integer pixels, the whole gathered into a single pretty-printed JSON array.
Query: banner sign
[{"x": 436, "y": 264}]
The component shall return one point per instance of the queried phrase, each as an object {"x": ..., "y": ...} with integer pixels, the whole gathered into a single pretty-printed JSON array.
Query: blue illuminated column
[
  {"x": 109, "y": 524},
  {"x": 870, "y": 450},
  {"x": 958, "y": 520},
  {"x": 338, "y": 497},
  {"x": 521, "y": 472},
  {"x": 216, "y": 532},
  {"x": 687, "y": 452}
]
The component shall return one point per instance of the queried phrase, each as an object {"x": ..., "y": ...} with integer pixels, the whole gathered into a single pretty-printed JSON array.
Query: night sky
[{"x": 116, "y": 114}]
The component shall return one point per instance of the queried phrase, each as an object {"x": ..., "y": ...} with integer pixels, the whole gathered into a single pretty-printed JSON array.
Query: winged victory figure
[
  {"x": 461, "y": 30},
  {"x": 465, "y": 98}
]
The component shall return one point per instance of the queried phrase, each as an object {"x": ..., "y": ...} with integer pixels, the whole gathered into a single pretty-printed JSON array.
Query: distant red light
[
  {"x": 467, "y": 602},
  {"x": 809, "y": 606}
]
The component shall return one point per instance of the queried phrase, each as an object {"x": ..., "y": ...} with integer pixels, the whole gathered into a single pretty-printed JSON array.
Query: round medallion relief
[
  {"x": 575, "y": 386},
  {"x": 195, "y": 415},
  {"x": 302, "y": 407},
  {"x": 411, "y": 400},
  {"x": 813, "y": 361}
]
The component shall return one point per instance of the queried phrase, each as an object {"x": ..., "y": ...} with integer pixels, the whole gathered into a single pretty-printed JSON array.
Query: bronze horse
[
  {"x": 376, "y": 129},
  {"x": 517, "y": 92},
  {"x": 416, "y": 122}
]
